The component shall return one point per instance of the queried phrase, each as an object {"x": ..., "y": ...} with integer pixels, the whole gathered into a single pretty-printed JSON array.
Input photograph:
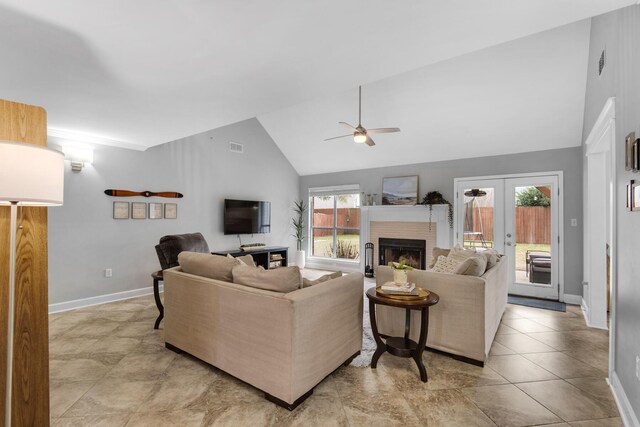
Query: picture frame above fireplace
[{"x": 400, "y": 190}]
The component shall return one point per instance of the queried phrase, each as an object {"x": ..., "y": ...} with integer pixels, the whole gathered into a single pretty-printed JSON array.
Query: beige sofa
[
  {"x": 464, "y": 322},
  {"x": 282, "y": 343}
]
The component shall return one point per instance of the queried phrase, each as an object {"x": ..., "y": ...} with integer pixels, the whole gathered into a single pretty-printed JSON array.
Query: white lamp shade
[{"x": 30, "y": 174}]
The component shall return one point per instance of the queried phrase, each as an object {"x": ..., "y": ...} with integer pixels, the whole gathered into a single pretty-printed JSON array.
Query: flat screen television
[{"x": 246, "y": 217}]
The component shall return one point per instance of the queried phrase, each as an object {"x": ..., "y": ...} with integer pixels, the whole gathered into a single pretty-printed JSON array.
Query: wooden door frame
[{"x": 602, "y": 139}]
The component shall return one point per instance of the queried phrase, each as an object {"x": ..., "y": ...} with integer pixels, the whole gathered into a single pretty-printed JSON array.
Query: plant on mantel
[{"x": 435, "y": 198}]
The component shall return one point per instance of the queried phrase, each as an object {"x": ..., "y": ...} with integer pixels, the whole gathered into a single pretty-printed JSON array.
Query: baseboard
[
  {"x": 629, "y": 418},
  {"x": 585, "y": 311},
  {"x": 572, "y": 299},
  {"x": 101, "y": 299}
]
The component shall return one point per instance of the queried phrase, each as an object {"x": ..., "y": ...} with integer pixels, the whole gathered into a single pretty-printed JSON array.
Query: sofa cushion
[
  {"x": 306, "y": 282},
  {"x": 472, "y": 266},
  {"x": 436, "y": 252},
  {"x": 445, "y": 265},
  {"x": 283, "y": 279},
  {"x": 206, "y": 265},
  {"x": 460, "y": 254}
]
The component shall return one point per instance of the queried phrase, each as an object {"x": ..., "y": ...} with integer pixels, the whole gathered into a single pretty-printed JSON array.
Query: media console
[{"x": 268, "y": 257}]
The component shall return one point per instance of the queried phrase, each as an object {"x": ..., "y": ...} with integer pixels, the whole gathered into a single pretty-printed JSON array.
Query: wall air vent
[
  {"x": 601, "y": 62},
  {"x": 235, "y": 147}
]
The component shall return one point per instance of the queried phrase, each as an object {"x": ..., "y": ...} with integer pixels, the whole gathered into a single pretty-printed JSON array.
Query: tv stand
[{"x": 269, "y": 257}]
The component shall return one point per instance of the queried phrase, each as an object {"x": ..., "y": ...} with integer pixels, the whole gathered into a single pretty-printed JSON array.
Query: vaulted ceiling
[{"x": 460, "y": 78}]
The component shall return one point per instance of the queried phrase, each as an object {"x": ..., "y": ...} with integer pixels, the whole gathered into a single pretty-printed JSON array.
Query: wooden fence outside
[
  {"x": 347, "y": 217},
  {"x": 533, "y": 224}
]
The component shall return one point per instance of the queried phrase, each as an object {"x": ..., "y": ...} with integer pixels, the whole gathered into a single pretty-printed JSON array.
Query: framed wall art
[
  {"x": 400, "y": 190},
  {"x": 635, "y": 195},
  {"x": 120, "y": 210},
  {"x": 155, "y": 210},
  {"x": 629, "y": 160},
  {"x": 139, "y": 210},
  {"x": 629, "y": 197},
  {"x": 171, "y": 210}
]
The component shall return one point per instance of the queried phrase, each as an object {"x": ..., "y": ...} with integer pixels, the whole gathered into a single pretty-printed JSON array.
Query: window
[{"x": 335, "y": 222}]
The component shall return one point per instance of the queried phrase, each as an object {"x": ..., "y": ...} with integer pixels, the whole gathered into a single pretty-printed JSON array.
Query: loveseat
[
  {"x": 464, "y": 322},
  {"x": 282, "y": 343}
]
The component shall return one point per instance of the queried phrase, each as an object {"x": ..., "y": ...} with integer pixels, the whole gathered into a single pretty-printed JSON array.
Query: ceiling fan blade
[
  {"x": 347, "y": 125},
  {"x": 341, "y": 136},
  {"x": 383, "y": 130},
  {"x": 369, "y": 141}
]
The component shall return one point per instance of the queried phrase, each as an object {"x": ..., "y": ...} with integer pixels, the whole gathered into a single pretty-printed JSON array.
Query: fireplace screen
[{"x": 396, "y": 250}]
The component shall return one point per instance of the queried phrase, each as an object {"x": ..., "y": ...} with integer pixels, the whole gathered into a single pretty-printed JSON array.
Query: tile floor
[{"x": 110, "y": 368}]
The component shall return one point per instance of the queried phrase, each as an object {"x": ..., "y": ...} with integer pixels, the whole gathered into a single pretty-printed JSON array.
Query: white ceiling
[
  {"x": 138, "y": 74},
  {"x": 524, "y": 95}
]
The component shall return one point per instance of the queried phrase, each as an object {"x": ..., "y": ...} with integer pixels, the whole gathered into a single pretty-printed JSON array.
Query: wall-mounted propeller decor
[{"x": 127, "y": 193}]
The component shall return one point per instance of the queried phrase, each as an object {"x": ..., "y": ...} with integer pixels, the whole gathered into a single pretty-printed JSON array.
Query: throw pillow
[
  {"x": 472, "y": 266},
  {"x": 306, "y": 282},
  {"x": 283, "y": 279},
  {"x": 206, "y": 265},
  {"x": 491, "y": 255},
  {"x": 436, "y": 252},
  {"x": 244, "y": 260},
  {"x": 237, "y": 259},
  {"x": 445, "y": 265},
  {"x": 459, "y": 254},
  {"x": 247, "y": 260}
]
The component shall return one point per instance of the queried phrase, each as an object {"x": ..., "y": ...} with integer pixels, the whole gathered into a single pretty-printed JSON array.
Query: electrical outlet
[
  {"x": 108, "y": 272},
  {"x": 638, "y": 367},
  {"x": 574, "y": 222}
]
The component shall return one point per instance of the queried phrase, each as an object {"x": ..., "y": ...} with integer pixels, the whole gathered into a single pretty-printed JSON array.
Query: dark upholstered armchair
[
  {"x": 168, "y": 250},
  {"x": 170, "y": 246}
]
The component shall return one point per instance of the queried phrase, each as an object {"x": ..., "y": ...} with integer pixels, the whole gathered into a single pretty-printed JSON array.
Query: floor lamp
[{"x": 30, "y": 175}]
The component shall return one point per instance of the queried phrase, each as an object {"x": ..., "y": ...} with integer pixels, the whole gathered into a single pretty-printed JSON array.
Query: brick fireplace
[
  {"x": 412, "y": 251},
  {"x": 403, "y": 231}
]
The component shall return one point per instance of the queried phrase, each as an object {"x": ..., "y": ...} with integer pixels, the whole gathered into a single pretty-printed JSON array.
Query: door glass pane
[
  {"x": 533, "y": 234},
  {"x": 478, "y": 217}
]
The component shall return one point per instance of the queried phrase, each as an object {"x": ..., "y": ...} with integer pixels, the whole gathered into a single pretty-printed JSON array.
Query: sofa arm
[
  {"x": 327, "y": 329},
  {"x": 456, "y": 323}
]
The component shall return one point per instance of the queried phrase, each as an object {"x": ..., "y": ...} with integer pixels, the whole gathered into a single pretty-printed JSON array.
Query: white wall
[
  {"x": 439, "y": 176},
  {"x": 84, "y": 239},
  {"x": 619, "y": 33}
]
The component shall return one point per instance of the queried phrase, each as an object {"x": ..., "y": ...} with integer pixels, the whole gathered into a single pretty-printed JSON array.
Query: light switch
[{"x": 574, "y": 222}]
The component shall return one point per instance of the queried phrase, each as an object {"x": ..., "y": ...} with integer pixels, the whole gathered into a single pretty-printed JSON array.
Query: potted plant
[
  {"x": 400, "y": 271},
  {"x": 300, "y": 208},
  {"x": 435, "y": 198}
]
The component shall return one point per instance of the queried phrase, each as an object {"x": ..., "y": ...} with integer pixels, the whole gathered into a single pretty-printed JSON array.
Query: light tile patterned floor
[{"x": 110, "y": 368}]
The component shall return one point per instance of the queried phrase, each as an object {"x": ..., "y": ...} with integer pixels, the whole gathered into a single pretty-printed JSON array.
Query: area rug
[
  {"x": 537, "y": 303},
  {"x": 368, "y": 343}
]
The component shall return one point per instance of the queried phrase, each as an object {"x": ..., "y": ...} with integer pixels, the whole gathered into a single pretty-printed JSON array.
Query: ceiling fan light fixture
[{"x": 359, "y": 137}]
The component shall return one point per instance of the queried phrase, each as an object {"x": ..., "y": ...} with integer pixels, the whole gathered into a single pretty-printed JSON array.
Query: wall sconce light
[{"x": 78, "y": 156}]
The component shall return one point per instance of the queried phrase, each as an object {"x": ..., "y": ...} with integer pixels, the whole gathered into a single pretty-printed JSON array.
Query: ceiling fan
[{"x": 360, "y": 133}]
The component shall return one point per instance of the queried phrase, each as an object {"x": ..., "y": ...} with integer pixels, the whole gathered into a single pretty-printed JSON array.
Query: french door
[{"x": 519, "y": 217}]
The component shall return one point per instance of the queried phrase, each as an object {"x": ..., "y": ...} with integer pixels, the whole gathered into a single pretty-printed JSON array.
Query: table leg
[
  {"x": 156, "y": 295},
  {"x": 407, "y": 323},
  {"x": 417, "y": 356},
  {"x": 382, "y": 347}
]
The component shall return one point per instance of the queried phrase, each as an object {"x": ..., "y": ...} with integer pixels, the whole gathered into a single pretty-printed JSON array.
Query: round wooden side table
[{"x": 402, "y": 346}]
